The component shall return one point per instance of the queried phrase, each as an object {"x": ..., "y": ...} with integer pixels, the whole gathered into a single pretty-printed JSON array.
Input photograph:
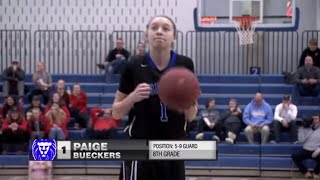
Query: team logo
[{"x": 44, "y": 149}]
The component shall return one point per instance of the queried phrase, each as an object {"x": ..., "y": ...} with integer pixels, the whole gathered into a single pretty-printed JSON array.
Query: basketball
[{"x": 179, "y": 88}]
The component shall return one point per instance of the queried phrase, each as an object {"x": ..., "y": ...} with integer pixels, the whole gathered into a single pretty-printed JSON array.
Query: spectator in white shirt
[{"x": 285, "y": 120}]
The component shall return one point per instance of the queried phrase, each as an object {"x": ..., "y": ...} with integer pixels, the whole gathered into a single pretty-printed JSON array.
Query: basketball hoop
[{"x": 245, "y": 26}]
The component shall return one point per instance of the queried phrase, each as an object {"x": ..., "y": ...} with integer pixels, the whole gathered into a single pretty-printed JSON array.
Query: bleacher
[{"x": 241, "y": 159}]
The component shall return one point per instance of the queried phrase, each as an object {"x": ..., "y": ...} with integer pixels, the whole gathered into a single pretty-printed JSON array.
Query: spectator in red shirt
[
  {"x": 57, "y": 123},
  {"x": 102, "y": 125},
  {"x": 78, "y": 107},
  {"x": 56, "y": 99},
  {"x": 37, "y": 125},
  {"x": 14, "y": 130},
  {"x": 9, "y": 103}
]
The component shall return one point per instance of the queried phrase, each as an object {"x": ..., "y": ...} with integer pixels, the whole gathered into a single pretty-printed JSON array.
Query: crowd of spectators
[{"x": 49, "y": 111}]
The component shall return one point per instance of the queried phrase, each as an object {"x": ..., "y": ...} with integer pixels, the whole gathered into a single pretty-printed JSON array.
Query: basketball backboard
[{"x": 273, "y": 14}]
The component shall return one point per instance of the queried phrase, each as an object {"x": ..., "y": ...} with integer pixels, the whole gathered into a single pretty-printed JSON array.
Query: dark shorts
[{"x": 155, "y": 170}]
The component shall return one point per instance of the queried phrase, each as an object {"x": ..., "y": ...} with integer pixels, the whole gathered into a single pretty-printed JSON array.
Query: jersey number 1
[{"x": 164, "y": 117}]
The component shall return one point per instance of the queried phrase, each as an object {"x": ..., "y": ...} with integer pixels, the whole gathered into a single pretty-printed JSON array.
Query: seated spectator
[
  {"x": 232, "y": 121},
  {"x": 308, "y": 78},
  {"x": 78, "y": 106},
  {"x": 13, "y": 81},
  {"x": 14, "y": 131},
  {"x": 37, "y": 125},
  {"x": 61, "y": 90},
  {"x": 310, "y": 138},
  {"x": 35, "y": 103},
  {"x": 257, "y": 116},
  {"x": 43, "y": 81},
  {"x": 285, "y": 119},
  {"x": 102, "y": 125},
  {"x": 115, "y": 60},
  {"x": 56, "y": 99},
  {"x": 140, "y": 49},
  {"x": 57, "y": 123},
  {"x": 9, "y": 103},
  {"x": 210, "y": 121},
  {"x": 313, "y": 51}
]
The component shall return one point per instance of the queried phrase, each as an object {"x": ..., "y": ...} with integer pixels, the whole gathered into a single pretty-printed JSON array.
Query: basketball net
[{"x": 245, "y": 26}]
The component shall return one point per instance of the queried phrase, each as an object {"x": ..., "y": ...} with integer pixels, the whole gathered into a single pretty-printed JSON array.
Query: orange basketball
[{"x": 179, "y": 88}]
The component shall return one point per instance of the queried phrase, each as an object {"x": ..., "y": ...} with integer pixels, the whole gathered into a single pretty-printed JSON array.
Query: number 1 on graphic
[{"x": 64, "y": 150}]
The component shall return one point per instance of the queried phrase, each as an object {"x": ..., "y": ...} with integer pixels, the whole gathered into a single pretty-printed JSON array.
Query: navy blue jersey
[{"x": 151, "y": 119}]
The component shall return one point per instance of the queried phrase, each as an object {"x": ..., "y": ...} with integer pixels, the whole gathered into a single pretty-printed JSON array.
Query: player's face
[{"x": 160, "y": 33}]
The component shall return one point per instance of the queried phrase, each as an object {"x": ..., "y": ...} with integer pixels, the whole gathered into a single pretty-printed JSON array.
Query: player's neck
[{"x": 160, "y": 58}]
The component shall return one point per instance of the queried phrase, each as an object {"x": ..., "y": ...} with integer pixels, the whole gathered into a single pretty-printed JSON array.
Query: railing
[
  {"x": 204, "y": 48},
  {"x": 53, "y": 49},
  {"x": 307, "y": 35},
  {"x": 212, "y": 52},
  {"x": 281, "y": 52},
  {"x": 88, "y": 49},
  {"x": 178, "y": 45},
  {"x": 220, "y": 53},
  {"x": 15, "y": 45}
]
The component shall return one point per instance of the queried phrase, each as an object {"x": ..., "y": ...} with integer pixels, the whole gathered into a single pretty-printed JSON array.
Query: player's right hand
[{"x": 141, "y": 92}]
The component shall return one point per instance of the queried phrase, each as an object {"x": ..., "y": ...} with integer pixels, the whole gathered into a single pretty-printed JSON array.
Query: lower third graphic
[{"x": 44, "y": 149}]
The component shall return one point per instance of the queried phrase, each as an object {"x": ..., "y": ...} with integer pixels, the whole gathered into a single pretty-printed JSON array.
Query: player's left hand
[{"x": 191, "y": 112}]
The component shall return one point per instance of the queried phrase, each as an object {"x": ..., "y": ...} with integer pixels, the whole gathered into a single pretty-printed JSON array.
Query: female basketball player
[{"x": 137, "y": 91}]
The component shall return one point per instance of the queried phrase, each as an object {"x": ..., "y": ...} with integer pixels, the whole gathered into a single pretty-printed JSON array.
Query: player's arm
[
  {"x": 190, "y": 114},
  {"x": 121, "y": 105},
  {"x": 123, "y": 102}
]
